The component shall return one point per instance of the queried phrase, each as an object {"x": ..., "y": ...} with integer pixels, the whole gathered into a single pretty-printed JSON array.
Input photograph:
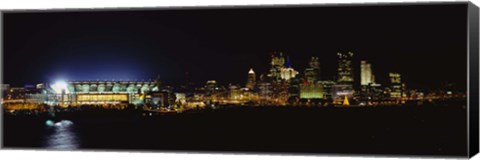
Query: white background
[{"x": 89, "y": 155}]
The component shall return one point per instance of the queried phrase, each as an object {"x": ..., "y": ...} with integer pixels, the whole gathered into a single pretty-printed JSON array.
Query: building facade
[
  {"x": 277, "y": 64},
  {"x": 345, "y": 68},
  {"x": 396, "y": 86},
  {"x": 366, "y": 75}
]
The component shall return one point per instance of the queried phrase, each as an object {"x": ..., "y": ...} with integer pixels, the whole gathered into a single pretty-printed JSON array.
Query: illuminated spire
[
  {"x": 251, "y": 71},
  {"x": 288, "y": 65},
  {"x": 251, "y": 80}
]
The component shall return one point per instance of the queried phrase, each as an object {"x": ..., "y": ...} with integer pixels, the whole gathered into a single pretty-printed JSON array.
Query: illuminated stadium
[{"x": 100, "y": 92}]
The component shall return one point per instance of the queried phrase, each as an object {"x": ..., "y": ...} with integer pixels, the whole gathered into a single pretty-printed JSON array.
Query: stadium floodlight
[{"x": 59, "y": 86}]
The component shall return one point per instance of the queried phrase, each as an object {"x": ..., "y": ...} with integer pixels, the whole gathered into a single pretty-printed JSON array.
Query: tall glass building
[
  {"x": 366, "y": 75},
  {"x": 345, "y": 68}
]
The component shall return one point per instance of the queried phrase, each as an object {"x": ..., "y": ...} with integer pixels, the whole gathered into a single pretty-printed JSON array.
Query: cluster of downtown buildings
[{"x": 282, "y": 85}]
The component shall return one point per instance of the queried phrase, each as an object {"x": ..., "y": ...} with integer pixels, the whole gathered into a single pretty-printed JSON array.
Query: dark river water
[{"x": 437, "y": 131}]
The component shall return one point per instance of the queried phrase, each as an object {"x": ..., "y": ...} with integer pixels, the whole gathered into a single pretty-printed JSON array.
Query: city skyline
[
  {"x": 281, "y": 85},
  {"x": 119, "y": 49},
  {"x": 366, "y": 79},
  {"x": 358, "y": 77}
]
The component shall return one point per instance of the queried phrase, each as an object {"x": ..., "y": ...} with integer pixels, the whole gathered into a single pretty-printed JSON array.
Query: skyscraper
[
  {"x": 294, "y": 89},
  {"x": 277, "y": 63},
  {"x": 251, "y": 80},
  {"x": 278, "y": 78},
  {"x": 396, "y": 87},
  {"x": 312, "y": 73},
  {"x": 314, "y": 63},
  {"x": 345, "y": 68},
  {"x": 311, "y": 88},
  {"x": 264, "y": 90},
  {"x": 288, "y": 72},
  {"x": 327, "y": 88},
  {"x": 366, "y": 75}
]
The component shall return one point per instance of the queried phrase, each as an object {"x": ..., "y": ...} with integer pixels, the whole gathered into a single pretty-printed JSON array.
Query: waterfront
[{"x": 419, "y": 130}]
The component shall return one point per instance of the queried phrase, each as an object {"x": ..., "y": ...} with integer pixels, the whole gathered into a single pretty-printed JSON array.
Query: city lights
[
  {"x": 281, "y": 86},
  {"x": 299, "y": 79}
]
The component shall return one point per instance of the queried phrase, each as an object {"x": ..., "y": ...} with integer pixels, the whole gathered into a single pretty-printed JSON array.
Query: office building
[{"x": 345, "y": 68}]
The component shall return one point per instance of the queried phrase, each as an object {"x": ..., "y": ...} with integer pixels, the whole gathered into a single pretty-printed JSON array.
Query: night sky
[{"x": 426, "y": 44}]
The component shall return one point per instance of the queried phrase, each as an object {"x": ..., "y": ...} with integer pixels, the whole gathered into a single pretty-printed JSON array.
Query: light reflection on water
[{"x": 62, "y": 136}]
